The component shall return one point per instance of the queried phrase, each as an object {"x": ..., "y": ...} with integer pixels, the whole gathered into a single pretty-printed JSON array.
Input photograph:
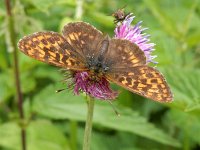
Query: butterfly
[{"x": 82, "y": 47}]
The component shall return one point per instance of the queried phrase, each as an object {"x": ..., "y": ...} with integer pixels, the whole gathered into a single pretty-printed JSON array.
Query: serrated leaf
[
  {"x": 185, "y": 86},
  {"x": 67, "y": 106}
]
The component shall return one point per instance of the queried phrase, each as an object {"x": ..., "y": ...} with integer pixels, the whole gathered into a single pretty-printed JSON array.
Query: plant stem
[
  {"x": 79, "y": 9},
  {"x": 16, "y": 70},
  {"x": 73, "y": 134},
  {"x": 88, "y": 125}
]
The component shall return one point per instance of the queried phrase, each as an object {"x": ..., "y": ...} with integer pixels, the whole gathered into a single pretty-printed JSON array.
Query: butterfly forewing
[
  {"x": 145, "y": 81},
  {"x": 83, "y": 37},
  {"x": 123, "y": 54},
  {"x": 52, "y": 48}
]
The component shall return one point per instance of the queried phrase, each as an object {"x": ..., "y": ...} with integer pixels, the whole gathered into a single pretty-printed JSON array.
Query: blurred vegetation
[{"x": 56, "y": 121}]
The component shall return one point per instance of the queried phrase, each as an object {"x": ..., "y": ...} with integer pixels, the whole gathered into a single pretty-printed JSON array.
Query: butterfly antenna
[
  {"x": 114, "y": 108},
  {"x": 60, "y": 90}
]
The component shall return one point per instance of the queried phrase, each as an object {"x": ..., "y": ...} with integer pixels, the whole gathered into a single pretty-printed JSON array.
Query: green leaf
[
  {"x": 2, "y": 12},
  {"x": 164, "y": 20},
  {"x": 67, "y": 106},
  {"x": 10, "y": 135},
  {"x": 23, "y": 23},
  {"x": 7, "y": 85},
  {"x": 28, "y": 82},
  {"x": 111, "y": 142},
  {"x": 41, "y": 135},
  {"x": 193, "y": 39},
  {"x": 104, "y": 20},
  {"x": 44, "y": 135},
  {"x": 185, "y": 86},
  {"x": 166, "y": 52},
  {"x": 68, "y": 2},
  {"x": 43, "y": 5},
  {"x": 189, "y": 124}
]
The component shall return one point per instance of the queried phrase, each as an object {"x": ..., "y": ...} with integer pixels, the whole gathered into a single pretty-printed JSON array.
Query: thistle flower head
[
  {"x": 135, "y": 34},
  {"x": 96, "y": 88}
]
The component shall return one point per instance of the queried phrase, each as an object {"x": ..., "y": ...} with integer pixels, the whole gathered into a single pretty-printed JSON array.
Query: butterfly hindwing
[
  {"x": 145, "y": 81},
  {"x": 122, "y": 54},
  {"x": 52, "y": 48}
]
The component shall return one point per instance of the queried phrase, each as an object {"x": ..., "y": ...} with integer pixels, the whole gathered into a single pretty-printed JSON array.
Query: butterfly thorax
[{"x": 95, "y": 62}]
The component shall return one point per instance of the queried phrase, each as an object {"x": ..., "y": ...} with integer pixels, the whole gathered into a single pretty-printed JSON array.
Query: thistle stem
[
  {"x": 73, "y": 134},
  {"x": 79, "y": 9},
  {"x": 88, "y": 125},
  {"x": 16, "y": 69}
]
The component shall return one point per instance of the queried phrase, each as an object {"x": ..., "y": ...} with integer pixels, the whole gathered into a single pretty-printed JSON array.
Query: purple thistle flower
[
  {"x": 99, "y": 89},
  {"x": 135, "y": 34}
]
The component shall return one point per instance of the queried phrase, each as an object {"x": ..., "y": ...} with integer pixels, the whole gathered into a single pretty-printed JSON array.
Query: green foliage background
[{"x": 56, "y": 121}]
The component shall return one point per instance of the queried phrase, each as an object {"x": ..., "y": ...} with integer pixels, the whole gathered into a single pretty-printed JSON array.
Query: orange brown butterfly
[{"x": 82, "y": 47}]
